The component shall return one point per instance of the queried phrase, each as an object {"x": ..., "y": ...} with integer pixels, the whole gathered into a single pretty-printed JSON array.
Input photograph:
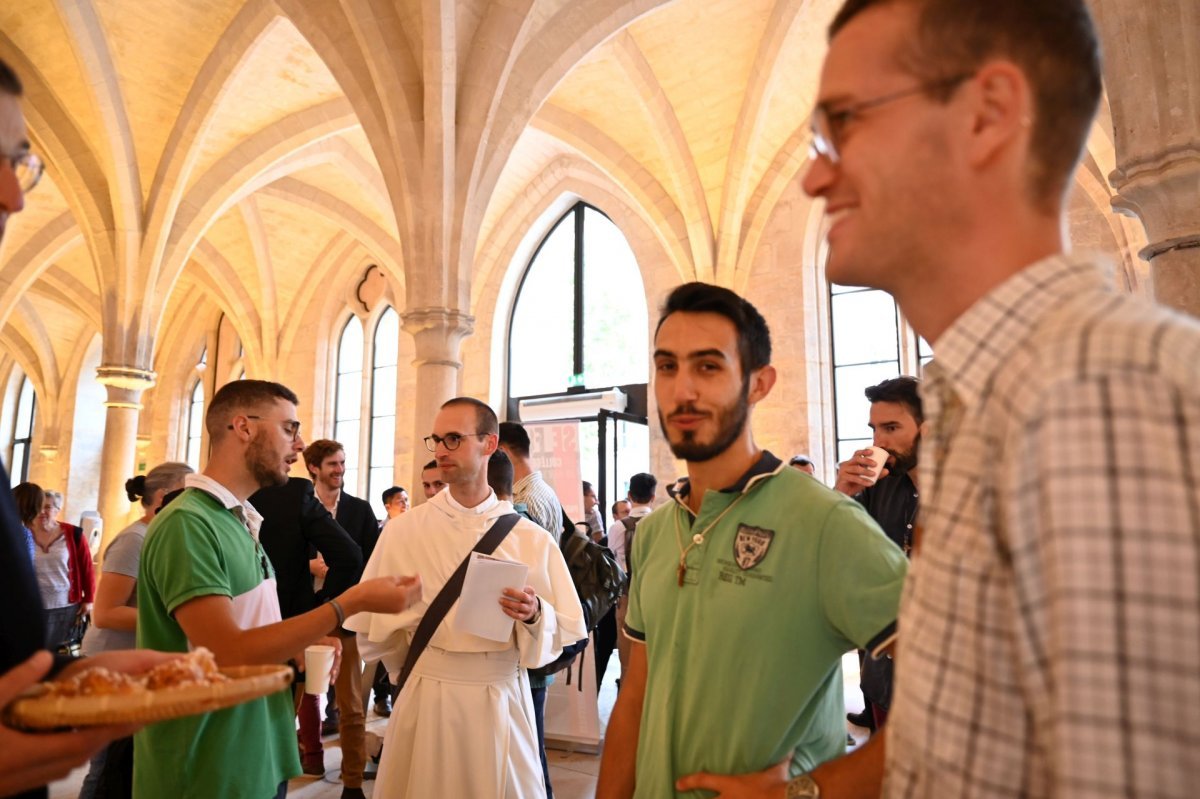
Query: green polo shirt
[
  {"x": 744, "y": 659},
  {"x": 196, "y": 547}
]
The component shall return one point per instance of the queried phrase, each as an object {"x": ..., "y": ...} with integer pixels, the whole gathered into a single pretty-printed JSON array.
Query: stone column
[
  {"x": 125, "y": 385},
  {"x": 438, "y": 334},
  {"x": 1152, "y": 72}
]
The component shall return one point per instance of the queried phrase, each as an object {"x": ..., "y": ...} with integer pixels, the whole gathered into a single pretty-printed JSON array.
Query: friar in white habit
[{"x": 463, "y": 723}]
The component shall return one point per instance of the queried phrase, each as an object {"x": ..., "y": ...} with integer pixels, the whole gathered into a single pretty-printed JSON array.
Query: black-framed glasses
[
  {"x": 28, "y": 168},
  {"x": 828, "y": 124},
  {"x": 291, "y": 428},
  {"x": 450, "y": 441}
]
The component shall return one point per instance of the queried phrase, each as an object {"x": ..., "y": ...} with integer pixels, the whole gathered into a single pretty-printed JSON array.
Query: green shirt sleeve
[
  {"x": 862, "y": 574},
  {"x": 184, "y": 560}
]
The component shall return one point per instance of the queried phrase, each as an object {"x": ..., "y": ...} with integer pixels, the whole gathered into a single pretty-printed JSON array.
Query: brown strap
[{"x": 450, "y": 592}]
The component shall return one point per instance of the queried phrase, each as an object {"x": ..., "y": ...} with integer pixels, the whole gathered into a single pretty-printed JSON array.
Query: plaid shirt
[{"x": 1050, "y": 625}]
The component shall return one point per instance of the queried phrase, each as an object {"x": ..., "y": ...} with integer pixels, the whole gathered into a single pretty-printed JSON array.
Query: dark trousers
[
  {"x": 606, "y": 642},
  {"x": 382, "y": 685},
  {"x": 539, "y": 716}
]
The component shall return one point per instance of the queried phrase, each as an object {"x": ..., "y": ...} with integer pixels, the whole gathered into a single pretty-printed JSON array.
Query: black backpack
[
  {"x": 630, "y": 525},
  {"x": 598, "y": 580}
]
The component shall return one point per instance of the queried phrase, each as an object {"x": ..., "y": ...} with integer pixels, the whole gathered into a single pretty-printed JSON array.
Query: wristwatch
[{"x": 803, "y": 787}]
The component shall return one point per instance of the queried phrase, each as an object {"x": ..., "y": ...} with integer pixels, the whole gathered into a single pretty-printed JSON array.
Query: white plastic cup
[
  {"x": 879, "y": 457},
  {"x": 318, "y": 664}
]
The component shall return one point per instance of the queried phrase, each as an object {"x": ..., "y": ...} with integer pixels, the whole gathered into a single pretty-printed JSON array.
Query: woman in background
[
  {"x": 29, "y": 498},
  {"x": 63, "y": 562},
  {"x": 114, "y": 615}
]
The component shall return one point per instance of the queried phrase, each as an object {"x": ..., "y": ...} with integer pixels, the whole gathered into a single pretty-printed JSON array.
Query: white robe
[{"x": 463, "y": 726}]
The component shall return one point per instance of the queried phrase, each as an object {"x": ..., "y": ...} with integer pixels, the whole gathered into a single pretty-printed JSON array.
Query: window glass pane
[
  {"x": 380, "y": 480},
  {"x": 346, "y": 433},
  {"x": 616, "y": 345},
  {"x": 853, "y": 410},
  {"x": 349, "y": 397},
  {"x": 383, "y": 400},
  {"x": 350, "y": 483},
  {"x": 18, "y": 466},
  {"x": 387, "y": 339},
  {"x": 541, "y": 352},
  {"x": 24, "y": 426},
  {"x": 834, "y": 288},
  {"x": 350, "y": 349},
  {"x": 849, "y": 446},
  {"x": 383, "y": 438},
  {"x": 196, "y": 412},
  {"x": 864, "y": 327},
  {"x": 633, "y": 456}
]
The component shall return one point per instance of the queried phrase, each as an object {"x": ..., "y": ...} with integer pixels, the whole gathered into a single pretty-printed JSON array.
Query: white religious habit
[{"x": 464, "y": 724}]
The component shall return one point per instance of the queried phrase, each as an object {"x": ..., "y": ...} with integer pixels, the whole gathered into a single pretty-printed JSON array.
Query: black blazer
[
  {"x": 356, "y": 518},
  {"x": 295, "y": 523}
]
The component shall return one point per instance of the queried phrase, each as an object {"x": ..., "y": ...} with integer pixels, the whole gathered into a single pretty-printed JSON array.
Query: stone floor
[{"x": 573, "y": 774}]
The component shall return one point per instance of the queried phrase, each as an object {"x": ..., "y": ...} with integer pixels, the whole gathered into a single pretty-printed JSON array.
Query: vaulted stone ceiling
[{"x": 239, "y": 156}]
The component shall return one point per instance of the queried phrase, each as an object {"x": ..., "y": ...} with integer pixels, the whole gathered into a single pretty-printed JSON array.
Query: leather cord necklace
[{"x": 697, "y": 538}]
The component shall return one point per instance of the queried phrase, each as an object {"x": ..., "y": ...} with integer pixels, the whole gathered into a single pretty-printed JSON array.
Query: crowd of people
[{"x": 1042, "y": 477}]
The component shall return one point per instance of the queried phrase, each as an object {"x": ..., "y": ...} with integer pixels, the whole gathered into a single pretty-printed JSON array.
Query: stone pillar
[
  {"x": 438, "y": 334},
  {"x": 125, "y": 385},
  {"x": 1152, "y": 72}
]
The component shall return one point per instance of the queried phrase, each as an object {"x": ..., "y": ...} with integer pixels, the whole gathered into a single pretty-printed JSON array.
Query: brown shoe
[
  {"x": 314, "y": 768},
  {"x": 353, "y": 793}
]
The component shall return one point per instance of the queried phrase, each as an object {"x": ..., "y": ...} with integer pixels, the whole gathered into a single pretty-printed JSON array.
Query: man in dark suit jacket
[{"x": 326, "y": 463}]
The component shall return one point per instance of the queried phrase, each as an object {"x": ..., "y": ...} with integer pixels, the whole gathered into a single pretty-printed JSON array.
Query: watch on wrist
[{"x": 803, "y": 787}]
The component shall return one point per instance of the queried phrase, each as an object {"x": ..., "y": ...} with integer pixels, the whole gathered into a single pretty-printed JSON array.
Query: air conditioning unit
[{"x": 573, "y": 406}]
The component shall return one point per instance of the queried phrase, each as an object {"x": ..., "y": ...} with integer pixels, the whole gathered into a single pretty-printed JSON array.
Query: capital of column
[
  {"x": 124, "y": 384},
  {"x": 1163, "y": 191},
  {"x": 438, "y": 334}
]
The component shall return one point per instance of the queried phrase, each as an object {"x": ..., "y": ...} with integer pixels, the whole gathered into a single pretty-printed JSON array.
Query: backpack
[
  {"x": 630, "y": 525},
  {"x": 598, "y": 580}
]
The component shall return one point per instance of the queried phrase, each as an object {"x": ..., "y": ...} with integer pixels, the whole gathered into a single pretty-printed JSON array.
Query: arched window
[
  {"x": 871, "y": 343},
  {"x": 347, "y": 426},
  {"x": 195, "y": 428},
  {"x": 22, "y": 436},
  {"x": 579, "y": 348},
  {"x": 385, "y": 355}
]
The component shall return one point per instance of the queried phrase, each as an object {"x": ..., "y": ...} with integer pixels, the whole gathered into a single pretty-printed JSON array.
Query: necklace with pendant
[{"x": 697, "y": 539}]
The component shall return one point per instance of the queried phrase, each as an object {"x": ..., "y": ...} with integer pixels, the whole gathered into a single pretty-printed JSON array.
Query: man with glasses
[
  {"x": 463, "y": 724},
  {"x": 1048, "y": 630},
  {"x": 205, "y": 581}
]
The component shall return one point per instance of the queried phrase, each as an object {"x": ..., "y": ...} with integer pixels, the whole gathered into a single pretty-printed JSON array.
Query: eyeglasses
[
  {"x": 452, "y": 441},
  {"x": 28, "y": 168},
  {"x": 291, "y": 428},
  {"x": 827, "y": 125}
]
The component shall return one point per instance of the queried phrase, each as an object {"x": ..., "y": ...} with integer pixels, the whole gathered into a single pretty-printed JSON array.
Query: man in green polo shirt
[
  {"x": 747, "y": 588},
  {"x": 205, "y": 580}
]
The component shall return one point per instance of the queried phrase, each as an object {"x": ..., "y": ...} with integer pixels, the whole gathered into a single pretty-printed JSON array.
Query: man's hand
[
  {"x": 382, "y": 595},
  {"x": 317, "y": 567},
  {"x": 770, "y": 783},
  {"x": 854, "y": 474},
  {"x": 129, "y": 661},
  {"x": 30, "y": 761},
  {"x": 329, "y": 640},
  {"x": 520, "y": 603}
]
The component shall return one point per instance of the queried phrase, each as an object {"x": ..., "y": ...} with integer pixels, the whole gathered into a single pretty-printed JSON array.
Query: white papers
[{"x": 479, "y": 610}]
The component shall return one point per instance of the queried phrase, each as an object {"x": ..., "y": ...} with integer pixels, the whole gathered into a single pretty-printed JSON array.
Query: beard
[
  {"x": 906, "y": 461},
  {"x": 263, "y": 465},
  {"x": 731, "y": 421}
]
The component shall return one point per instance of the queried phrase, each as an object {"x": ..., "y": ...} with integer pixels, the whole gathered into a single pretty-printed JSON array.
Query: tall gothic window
[
  {"x": 347, "y": 426},
  {"x": 871, "y": 343},
  {"x": 22, "y": 436},
  {"x": 195, "y": 427},
  {"x": 385, "y": 355}
]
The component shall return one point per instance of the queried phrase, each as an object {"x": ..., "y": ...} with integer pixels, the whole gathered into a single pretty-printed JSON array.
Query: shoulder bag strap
[{"x": 450, "y": 592}]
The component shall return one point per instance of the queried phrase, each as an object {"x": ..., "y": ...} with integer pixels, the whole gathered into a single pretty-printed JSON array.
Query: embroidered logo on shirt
[{"x": 750, "y": 545}]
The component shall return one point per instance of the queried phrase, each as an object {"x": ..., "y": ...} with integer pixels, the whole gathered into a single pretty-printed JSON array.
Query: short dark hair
[
  {"x": 800, "y": 460},
  {"x": 9, "y": 82},
  {"x": 431, "y": 465},
  {"x": 903, "y": 390},
  {"x": 1054, "y": 43},
  {"x": 754, "y": 337},
  {"x": 514, "y": 436},
  {"x": 316, "y": 452},
  {"x": 29, "y": 498},
  {"x": 500, "y": 474},
  {"x": 485, "y": 417},
  {"x": 642, "y": 487},
  {"x": 587, "y": 488},
  {"x": 388, "y": 493},
  {"x": 618, "y": 502},
  {"x": 242, "y": 395}
]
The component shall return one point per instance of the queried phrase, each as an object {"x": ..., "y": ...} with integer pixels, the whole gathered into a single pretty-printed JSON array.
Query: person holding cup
[{"x": 205, "y": 580}]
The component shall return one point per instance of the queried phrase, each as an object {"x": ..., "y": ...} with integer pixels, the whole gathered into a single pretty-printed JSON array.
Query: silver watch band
[{"x": 803, "y": 787}]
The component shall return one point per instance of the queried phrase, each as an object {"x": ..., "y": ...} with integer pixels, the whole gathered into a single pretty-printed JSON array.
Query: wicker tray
[{"x": 33, "y": 711}]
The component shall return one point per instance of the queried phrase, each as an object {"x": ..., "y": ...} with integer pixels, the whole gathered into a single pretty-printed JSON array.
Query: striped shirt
[
  {"x": 544, "y": 508},
  {"x": 1050, "y": 625}
]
